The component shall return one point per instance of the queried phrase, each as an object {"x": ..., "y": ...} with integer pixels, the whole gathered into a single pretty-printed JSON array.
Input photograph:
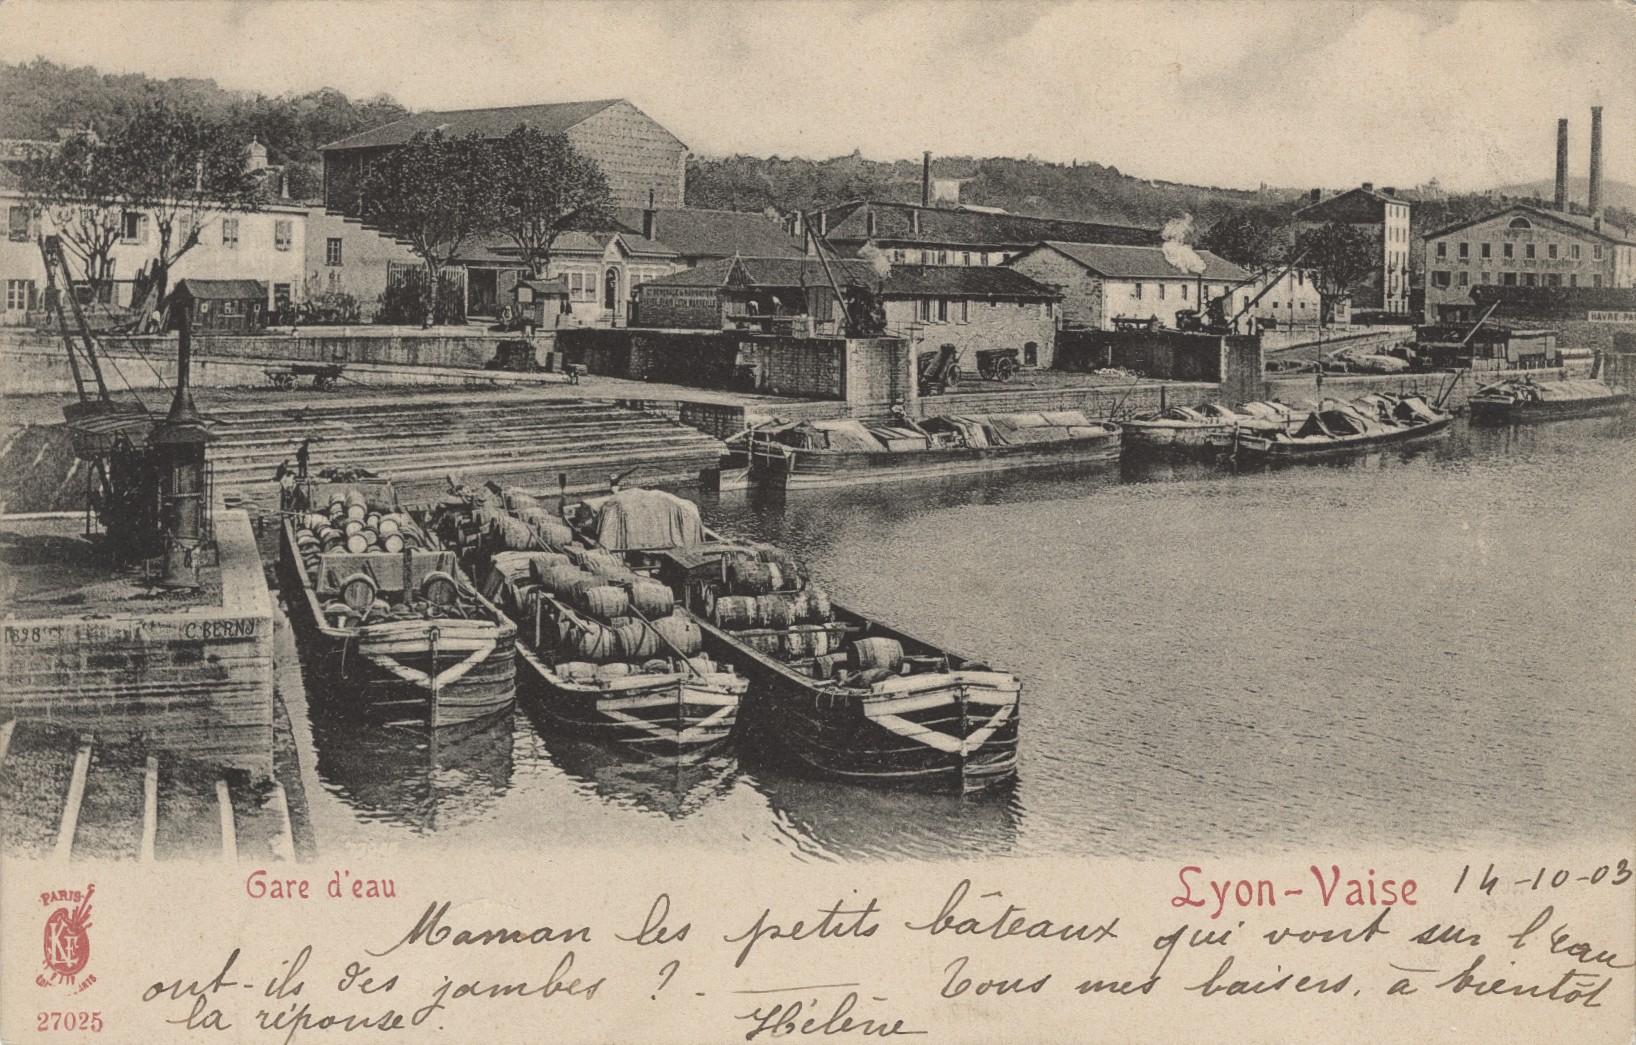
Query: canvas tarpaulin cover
[{"x": 647, "y": 519}]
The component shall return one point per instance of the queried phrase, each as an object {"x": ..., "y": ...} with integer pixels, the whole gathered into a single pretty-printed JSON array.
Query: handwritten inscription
[{"x": 1362, "y": 891}]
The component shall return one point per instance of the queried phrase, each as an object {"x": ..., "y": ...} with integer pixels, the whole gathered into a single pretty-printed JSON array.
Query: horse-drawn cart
[
  {"x": 324, "y": 375},
  {"x": 998, "y": 364}
]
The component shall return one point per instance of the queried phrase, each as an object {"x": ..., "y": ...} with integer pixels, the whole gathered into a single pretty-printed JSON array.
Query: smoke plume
[{"x": 1176, "y": 251}]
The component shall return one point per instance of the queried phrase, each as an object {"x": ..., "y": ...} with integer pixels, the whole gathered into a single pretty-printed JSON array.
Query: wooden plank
[
  {"x": 150, "y": 810},
  {"x": 5, "y": 738},
  {"x": 224, "y": 805},
  {"x": 284, "y": 841},
  {"x": 71, "y": 807}
]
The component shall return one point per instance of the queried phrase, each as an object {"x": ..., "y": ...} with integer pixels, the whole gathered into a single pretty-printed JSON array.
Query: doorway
[
  {"x": 482, "y": 292},
  {"x": 610, "y": 290}
]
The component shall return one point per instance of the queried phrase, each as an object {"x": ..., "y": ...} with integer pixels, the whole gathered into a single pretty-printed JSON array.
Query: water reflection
[
  {"x": 410, "y": 774},
  {"x": 852, "y": 822}
]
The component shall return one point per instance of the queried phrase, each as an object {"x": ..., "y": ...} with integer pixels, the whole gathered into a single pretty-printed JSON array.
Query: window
[
  {"x": 965, "y": 310},
  {"x": 1487, "y": 250},
  {"x": 19, "y": 295},
  {"x": 1050, "y": 310},
  {"x": 1488, "y": 277},
  {"x": 1528, "y": 279},
  {"x": 869, "y": 224},
  {"x": 942, "y": 310},
  {"x": 1136, "y": 291},
  {"x": 332, "y": 250},
  {"x": 133, "y": 228},
  {"x": 1440, "y": 278},
  {"x": 1510, "y": 279},
  {"x": 1184, "y": 291},
  {"x": 1465, "y": 250},
  {"x": 965, "y": 258},
  {"x": 1521, "y": 223},
  {"x": 1596, "y": 280},
  {"x": 1573, "y": 251},
  {"x": 1510, "y": 250},
  {"x": 1031, "y": 353},
  {"x": 1528, "y": 250},
  {"x": 899, "y": 256},
  {"x": 1596, "y": 252},
  {"x": 18, "y": 225},
  {"x": 283, "y": 233},
  {"x": 281, "y": 296},
  {"x": 985, "y": 257},
  {"x": 230, "y": 232},
  {"x": 1161, "y": 291},
  {"x": 1442, "y": 250},
  {"x": 1550, "y": 251},
  {"x": 1553, "y": 280},
  {"x": 1462, "y": 278},
  {"x": 925, "y": 310},
  {"x": 1573, "y": 281}
]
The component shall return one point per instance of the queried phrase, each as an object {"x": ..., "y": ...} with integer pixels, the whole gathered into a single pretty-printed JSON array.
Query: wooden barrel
[
  {"x": 358, "y": 591},
  {"x": 610, "y": 672},
  {"x": 637, "y": 641},
  {"x": 603, "y": 600},
  {"x": 560, "y": 580},
  {"x": 387, "y": 525},
  {"x": 315, "y": 520},
  {"x": 870, "y": 654},
  {"x": 702, "y": 664},
  {"x": 682, "y": 632},
  {"x": 357, "y": 543},
  {"x": 392, "y": 542},
  {"x": 439, "y": 589},
  {"x": 539, "y": 562},
  {"x": 797, "y": 644},
  {"x": 356, "y": 497},
  {"x": 555, "y": 532},
  {"x": 516, "y": 499},
  {"x": 373, "y": 520},
  {"x": 748, "y": 577},
  {"x": 352, "y": 526},
  {"x": 651, "y": 598},
  {"x": 819, "y": 610},
  {"x": 778, "y": 611},
  {"x": 576, "y": 670},
  {"x": 591, "y": 642},
  {"x": 512, "y": 534},
  {"x": 736, "y": 611},
  {"x": 357, "y": 511}
]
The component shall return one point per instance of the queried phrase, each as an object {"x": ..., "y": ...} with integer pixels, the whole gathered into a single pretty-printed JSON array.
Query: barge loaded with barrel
[
  {"x": 832, "y": 692},
  {"x": 387, "y": 620},
  {"x": 1519, "y": 400},
  {"x": 807, "y": 454},
  {"x": 1337, "y": 428},
  {"x": 605, "y": 653}
]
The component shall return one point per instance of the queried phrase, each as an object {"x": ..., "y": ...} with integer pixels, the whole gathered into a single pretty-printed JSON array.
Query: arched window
[{"x": 1521, "y": 223}]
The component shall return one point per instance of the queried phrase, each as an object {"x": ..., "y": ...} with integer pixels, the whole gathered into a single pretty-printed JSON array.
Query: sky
[{"x": 1297, "y": 93}]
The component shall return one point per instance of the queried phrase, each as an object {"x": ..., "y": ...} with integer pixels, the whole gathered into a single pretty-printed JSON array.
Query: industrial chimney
[
  {"x": 1595, "y": 200},
  {"x": 1562, "y": 165},
  {"x": 926, "y": 178}
]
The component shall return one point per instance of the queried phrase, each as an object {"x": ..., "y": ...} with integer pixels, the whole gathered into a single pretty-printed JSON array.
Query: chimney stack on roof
[
  {"x": 1562, "y": 165},
  {"x": 1595, "y": 200},
  {"x": 650, "y": 219},
  {"x": 926, "y": 179},
  {"x": 1389, "y": 191},
  {"x": 1368, "y": 186},
  {"x": 1317, "y": 195}
]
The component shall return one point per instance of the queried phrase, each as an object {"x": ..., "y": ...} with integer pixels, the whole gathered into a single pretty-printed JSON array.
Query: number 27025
[{"x": 91, "y": 1021}]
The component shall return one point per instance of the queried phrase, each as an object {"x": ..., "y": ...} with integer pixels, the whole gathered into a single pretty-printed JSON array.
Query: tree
[
  {"x": 183, "y": 171},
  {"x": 1340, "y": 257},
  {"x": 432, "y": 192},
  {"x": 542, "y": 187},
  {"x": 76, "y": 187},
  {"x": 1257, "y": 239}
]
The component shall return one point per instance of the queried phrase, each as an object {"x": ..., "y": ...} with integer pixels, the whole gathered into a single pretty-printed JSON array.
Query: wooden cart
[{"x": 324, "y": 375}]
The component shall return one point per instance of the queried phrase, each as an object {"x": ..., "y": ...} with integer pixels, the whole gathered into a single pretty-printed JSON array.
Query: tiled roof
[
  {"x": 963, "y": 281},
  {"x": 491, "y": 123},
  {"x": 1348, "y": 205},
  {"x": 941, "y": 226},
  {"x": 716, "y": 233},
  {"x": 494, "y": 247},
  {"x": 1580, "y": 223},
  {"x": 1141, "y": 262},
  {"x": 223, "y": 289},
  {"x": 766, "y": 272}
]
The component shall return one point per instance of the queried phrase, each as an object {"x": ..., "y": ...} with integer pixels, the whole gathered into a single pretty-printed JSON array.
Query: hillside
[
  {"x": 1089, "y": 192},
  {"x": 1614, "y": 193}
]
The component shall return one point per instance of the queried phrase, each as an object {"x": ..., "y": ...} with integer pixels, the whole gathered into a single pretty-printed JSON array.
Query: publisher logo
[{"x": 67, "y": 943}]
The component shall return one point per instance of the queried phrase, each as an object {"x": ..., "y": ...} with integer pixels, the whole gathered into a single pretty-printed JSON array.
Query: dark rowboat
[
  {"x": 832, "y": 693},
  {"x": 1520, "y": 400},
  {"x": 809, "y": 454},
  {"x": 1339, "y": 428},
  {"x": 387, "y": 620}
]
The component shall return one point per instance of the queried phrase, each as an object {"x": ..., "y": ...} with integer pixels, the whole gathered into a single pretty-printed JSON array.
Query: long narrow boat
[
  {"x": 1521, "y": 399},
  {"x": 1339, "y": 428},
  {"x": 1211, "y": 428},
  {"x": 605, "y": 653},
  {"x": 833, "y": 693},
  {"x": 808, "y": 454},
  {"x": 388, "y": 622}
]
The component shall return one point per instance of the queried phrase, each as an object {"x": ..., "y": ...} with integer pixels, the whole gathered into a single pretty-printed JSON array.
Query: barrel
[
  {"x": 387, "y": 525},
  {"x": 610, "y": 672},
  {"x": 356, "y": 498},
  {"x": 352, "y": 526},
  {"x": 338, "y": 497},
  {"x": 682, "y": 632},
  {"x": 778, "y": 611},
  {"x": 819, "y": 610},
  {"x": 516, "y": 500},
  {"x": 737, "y": 611},
  {"x": 539, "y": 562},
  {"x": 806, "y": 640},
  {"x": 392, "y": 542},
  {"x": 747, "y": 577},
  {"x": 512, "y": 534},
  {"x": 357, "y": 543},
  {"x": 439, "y": 589},
  {"x": 554, "y": 532},
  {"x": 373, "y": 520},
  {"x": 357, "y": 511},
  {"x": 651, "y": 598},
  {"x": 314, "y": 520},
  {"x": 702, "y": 664},
  {"x": 870, "y": 654},
  {"x": 777, "y": 556},
  {"x": 657, "y": 666},
  {"x": 637, "y": 641},
  {"x": 591, "y": 641},
  {"x": 603, "y": 600},
  {"x": 576, "y": 670},
  {"x": 358, "y": 591},
  {"x": 559, "y": 580}
]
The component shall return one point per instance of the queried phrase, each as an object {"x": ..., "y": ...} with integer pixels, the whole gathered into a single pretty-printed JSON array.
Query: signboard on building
[{"x": 1610, "y": 317}]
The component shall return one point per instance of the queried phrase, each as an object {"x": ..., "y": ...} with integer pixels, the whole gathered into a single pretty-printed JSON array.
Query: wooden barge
[
  {"x": 1211, "y": 428},
  {"x": 1338, "y": 428},
  {"x": 386, "y": 620},
  {"x": 832, "y": 692},
  {"x": 812, "y": 454},
  {"x": 1520, "y": 400}
]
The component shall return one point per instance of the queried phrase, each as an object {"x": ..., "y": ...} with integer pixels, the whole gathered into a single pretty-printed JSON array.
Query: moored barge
[
  {"x": 1211, "y": 428},
  {"x": 387, "y": 620},
  {"x": 1337, "y": 428},
  {"x": 1520, "y": 400}
]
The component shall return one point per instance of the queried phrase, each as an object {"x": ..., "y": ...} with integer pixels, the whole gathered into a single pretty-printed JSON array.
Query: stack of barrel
[
  {"x": 515, "y": 521},
  {"x": 350, "y": 525},
  {"x": 765, "y": 597}
]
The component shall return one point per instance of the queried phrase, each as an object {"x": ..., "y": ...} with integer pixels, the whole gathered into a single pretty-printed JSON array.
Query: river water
[{"x": 1425, "y": 647}]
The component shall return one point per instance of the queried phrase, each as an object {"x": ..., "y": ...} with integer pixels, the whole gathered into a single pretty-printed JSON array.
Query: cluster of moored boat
[
  {"x": 804, "y": 454},
  {"x": 635, "y": 624}
]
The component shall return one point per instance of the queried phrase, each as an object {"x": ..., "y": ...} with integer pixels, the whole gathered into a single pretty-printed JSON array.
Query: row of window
[
  {"x": 1441, "y": 279},
  {"x": 1139, "y": 290},
  {"x": 133, "y": 228},
  {"x": 1509, "y": 250},
  {"x": 902, "y": 256},
  {"x": 19, "y": 295},
  {"x": 958, "y": 310}
]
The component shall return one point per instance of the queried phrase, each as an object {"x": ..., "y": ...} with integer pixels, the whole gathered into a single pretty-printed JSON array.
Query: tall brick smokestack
[
  {"x": 1562, "y": 165},
  {"x": 1595, "y": 200},
  {"x": 926, "y": 177}
]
